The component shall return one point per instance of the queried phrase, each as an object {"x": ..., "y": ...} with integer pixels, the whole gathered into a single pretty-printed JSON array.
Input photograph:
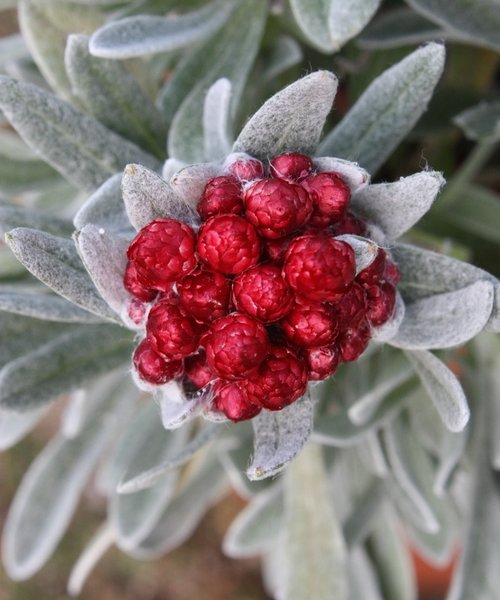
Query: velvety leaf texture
[
  {"x": 387, "y": 110},
  {"x": 145, "y": 34},
  {"x": 279, "y": 436},
  {"x": 77, "y": 145},
  {"x": 291, "y": 120},
  {"x": 217, "y": 120}
]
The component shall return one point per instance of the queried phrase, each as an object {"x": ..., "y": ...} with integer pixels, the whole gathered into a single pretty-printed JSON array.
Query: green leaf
[
  {"x": 481, "y": 123},
  {"x": 292, "y": 120},
  {"x": 105, "y": 258},
  {"x": 314, "y": 547},
  {"x": 50, "y": 490},
  {"x": 476, "y": 210},
  {"x": 146, "y": 34},
  {"x": 346, "y": 20},
  {"x": 44, "y": 306},
  {"x": 387, "y": 110},
  {"x": 257, "y": 526},
  {"x": 475, "y": 21},
  {"x": 279, "y": 437},
  {"x": 62, "y": 365},
  {"x": 12, "y": 146},
  {"x": 312, "y": 18},
  {"x": 134, "y": 516},
  {"x": 22, "y": 175},
  {"x": 443, "y": 388},
  {"x": 114, "y": 97},
  {"x": 217, "y": 120},
  {"x": 446, "y": 320},
  {"x": 55, "y": 262},
  {"x": 147, "y": 196},
  {"x": 77, "y": 145},
  {"x": 15, "y": 426},
  {"x": 143, "y": 479},
  {"x": 199, "y": 491},
  {"x": 230, "y": 54},
  {"x": 105, "y": 208},
  {"x": 361, "y": 519},
  {"x": 46, "y": 43},
  {"x": 363, "y": 583},
  {"x": 396, "y": 207},
  {"x": 391, "y": 557},
  {"x": 398, "y": 27},
  {"x": 12, "y": 216}
]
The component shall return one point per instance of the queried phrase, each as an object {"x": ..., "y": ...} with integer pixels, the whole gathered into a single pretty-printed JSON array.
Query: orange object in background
[{"x": 433, "y": 582}]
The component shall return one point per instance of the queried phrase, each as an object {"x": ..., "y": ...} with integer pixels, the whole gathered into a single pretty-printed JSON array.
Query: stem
[{"x": 472, "y": 165}]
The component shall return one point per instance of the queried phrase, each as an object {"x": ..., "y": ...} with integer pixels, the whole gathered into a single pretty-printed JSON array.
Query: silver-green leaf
[
  {"x": 387, "y": 110},
  {"x": 482, "y": 122},
  {"x": 443, "y": 388},
  {"x": 217, "y": 120},
  {"x": 292, "y": 120},
  {"x": 84, "y": 151},
  {"x": 279, "y": 436}
]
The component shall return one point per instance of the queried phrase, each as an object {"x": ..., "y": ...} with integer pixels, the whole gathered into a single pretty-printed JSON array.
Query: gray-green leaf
[
  {"x": 443, "y": 388},
  {"x": 12, "y": 216},
  {"x": 147, "y": 197},
  {"x": 55, "y": 261},
  {"x": 476, "y": 21},
  {"x": 114, "y": 97},
  {"x": 84, "y": 151},
  {"x": 446, "y": 320},
  {"x": 481, "y": 123},
  {"x": 279, "y": 436},
  {"x": 292, "y": 120},
  {"x": 314, "y": 547},
  {"x": 147, "y": 34},
  {"x": 217, "y": 120},
  {"x": 63, "y": 365},
  {"x": 396, "y": 207},
  {"x": 387, "y": 110}
]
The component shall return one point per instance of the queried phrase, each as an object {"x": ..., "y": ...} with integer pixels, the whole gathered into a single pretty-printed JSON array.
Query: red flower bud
[
  {"x": 330, "y": 196},
  {"x": 230, "y": 398},
  {"x": 197, "y": 370},
  {"x": 353, "y": 341},
  {"x": 381, "y": 302},
  {"x": 292, "y": 166},
  {"x": 322, "y": 362},
  {"x": 310, "y": 326},
  {"x": 204, "y": 295},
  {"x": 375, "y": 271},
  {"x": 136, "y": 286},
  {"x": 152, "y": 367},
  {"x": 221, "y": 195},
  {"x": 247, "y": 169}
]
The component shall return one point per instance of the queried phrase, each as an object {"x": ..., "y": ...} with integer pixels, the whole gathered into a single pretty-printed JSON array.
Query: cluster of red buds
[{"x": 264, "y": 297}]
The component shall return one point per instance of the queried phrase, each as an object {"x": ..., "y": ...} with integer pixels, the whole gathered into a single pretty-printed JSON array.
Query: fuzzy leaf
[
  {"x": 443, "y": 388},
  {"x": 257, "y": 526},
  {"x": 392, "y": 560},
  {"x": 481, "y": 123},
  {"x": 339, "y": 431},
  {"x": 364, "y": 249},
  {"x": 144, "y": 442},
  {"x": 292, "y": 119},
  {"x": 396, "y": 207},
  {"x": 477, "y": 21},
  {"x": 12, "y": 146},
  {"x": 105, "y": 208},
  {"x": 398, "y": 27},
  {"x": 446, "y": 320},
  {"x": 279, "y": 436},
  {"x": 190, "y": 181},
  {"x": 147, "y": 196},
  {"x": 345, "y": 21},
  {"x": 46, "y": 42},
  {"x": 55, "y": 261},
  {"x": 12, "y": 216},
  {"x": 14, "y": 426},
  {"x": 312, "y": 18},
  {"x": 105, "y": 258},
  {"x": 320, "y": 571},
  {"x": 387, "y": 110},
  {"x": 62, "y": 365},
  {"x": 355, "y": 176},
  {"x": 200, "y": 490},
  {"x": 146, "y": 34},
  {"x": 18, "y": 176},
  {"x": 49, "y": 493},
  {"x": 477, "y": 575},
  {"x": 114, "y": 97},
  {"x": 44, "y": 306},
  {"x": 217, "y": 120},
  {"x": 135, "y": 481},
  {"x": 452, "y": 447},
  {"x": 230, "y": 54},
  {"x": 425, "y": 273},
  {"x": 84, "y": 151}
]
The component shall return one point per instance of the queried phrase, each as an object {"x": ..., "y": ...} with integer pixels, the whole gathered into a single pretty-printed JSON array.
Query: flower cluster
[{"x": 265, "y": 296}]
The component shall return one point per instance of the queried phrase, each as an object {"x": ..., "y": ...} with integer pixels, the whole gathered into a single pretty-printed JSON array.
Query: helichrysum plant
[{"x": 241, "y": 309}]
